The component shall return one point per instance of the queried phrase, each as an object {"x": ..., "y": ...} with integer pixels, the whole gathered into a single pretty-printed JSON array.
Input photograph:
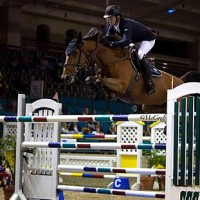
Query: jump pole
[{"x": 85, "y": 118}]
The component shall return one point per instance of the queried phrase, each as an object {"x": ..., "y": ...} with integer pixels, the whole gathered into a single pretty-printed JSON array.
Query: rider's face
[{"x": 111, "y": 20}]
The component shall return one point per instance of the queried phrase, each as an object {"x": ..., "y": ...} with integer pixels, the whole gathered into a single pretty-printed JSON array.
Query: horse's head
[
  {"x": 80, "y": 53},
  {"x": 75, "y": 60}
]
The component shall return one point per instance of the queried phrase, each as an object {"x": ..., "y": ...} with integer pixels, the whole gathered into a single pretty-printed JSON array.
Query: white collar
[{"x": 117, "y": 27}]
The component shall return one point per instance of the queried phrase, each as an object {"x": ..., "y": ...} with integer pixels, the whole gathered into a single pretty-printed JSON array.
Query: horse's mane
[
  {"x": 94, "y": 33},
  {"x": 98, "y": 33}
]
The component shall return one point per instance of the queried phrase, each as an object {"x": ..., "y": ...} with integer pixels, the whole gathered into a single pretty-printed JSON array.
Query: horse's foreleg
[
  {"x": 94, "y": 79},
  {"x": 91, "y": 79},
  {"x": 114, "y": 85}
]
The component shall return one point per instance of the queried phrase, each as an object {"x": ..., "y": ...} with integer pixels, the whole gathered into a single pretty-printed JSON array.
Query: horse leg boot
[{"x": 150, "y": 86}]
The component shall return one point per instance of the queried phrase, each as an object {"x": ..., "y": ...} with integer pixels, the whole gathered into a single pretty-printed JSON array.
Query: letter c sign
[{"x": 117, "y": 183}]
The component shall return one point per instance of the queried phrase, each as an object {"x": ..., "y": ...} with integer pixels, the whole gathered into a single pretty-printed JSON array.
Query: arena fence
[{"x": 182, "y": 148}]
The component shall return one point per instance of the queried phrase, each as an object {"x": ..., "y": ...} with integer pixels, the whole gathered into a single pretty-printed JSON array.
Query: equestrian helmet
[{"x": 112, "y": 10}]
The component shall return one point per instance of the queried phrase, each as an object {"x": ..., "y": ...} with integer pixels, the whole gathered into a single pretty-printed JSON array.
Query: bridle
[
  {"x": 89, "y": 59},
  {"x": 77, "y": 65}
]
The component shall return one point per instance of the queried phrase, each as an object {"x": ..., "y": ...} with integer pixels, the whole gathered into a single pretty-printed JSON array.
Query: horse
[{"x": 118, "y": 75}]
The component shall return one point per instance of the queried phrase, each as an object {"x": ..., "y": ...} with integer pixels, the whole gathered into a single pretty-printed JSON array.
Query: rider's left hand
[{"x": 106, "y": 42}]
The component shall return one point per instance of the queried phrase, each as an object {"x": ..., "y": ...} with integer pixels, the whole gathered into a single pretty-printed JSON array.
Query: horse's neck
[{"x": 107, "y": 56}]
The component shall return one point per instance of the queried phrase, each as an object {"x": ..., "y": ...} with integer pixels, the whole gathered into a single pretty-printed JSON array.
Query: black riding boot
[{"x": 150, "y": 86}]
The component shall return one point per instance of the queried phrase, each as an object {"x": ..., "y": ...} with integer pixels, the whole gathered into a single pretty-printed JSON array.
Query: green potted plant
[
  {"x": 7, "y": 163},
  {"x": 147, "y": 181},
  {"x": 157, "y": 159}
]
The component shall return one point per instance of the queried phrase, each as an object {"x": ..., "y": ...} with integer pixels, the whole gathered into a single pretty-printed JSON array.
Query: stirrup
[
  {"x": 150, "y": 91},
  {"x": 151, "y": 83},
  {"x": 150, "y": 87}
]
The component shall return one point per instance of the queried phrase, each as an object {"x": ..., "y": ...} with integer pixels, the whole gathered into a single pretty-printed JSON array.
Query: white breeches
[{"x": 144, "y": 48}]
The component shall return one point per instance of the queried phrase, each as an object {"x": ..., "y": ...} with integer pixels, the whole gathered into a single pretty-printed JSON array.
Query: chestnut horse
[{"x": 117, "y": 74}]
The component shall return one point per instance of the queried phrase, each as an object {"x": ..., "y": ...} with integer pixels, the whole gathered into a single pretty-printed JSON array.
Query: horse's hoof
[
  {"x": 98, "y": 81},
  {"x": 111, "y": 97},
  {"x": 88, "y": 80}
]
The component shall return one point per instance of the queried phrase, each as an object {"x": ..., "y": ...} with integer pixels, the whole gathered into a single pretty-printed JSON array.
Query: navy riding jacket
[{"x": 131, "y": 32}]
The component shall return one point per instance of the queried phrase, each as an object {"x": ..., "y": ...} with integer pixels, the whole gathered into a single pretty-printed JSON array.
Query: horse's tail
[{"x": 192, "y": 76}]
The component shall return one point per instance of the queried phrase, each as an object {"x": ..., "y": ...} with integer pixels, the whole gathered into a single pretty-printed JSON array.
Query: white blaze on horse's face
[
  {"x": 64, "y": 68},
  {"x": 66, "y": 76},
  {"x": 66, "y": 59}
]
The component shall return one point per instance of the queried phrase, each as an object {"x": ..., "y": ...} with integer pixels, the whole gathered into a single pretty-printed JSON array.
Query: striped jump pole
[
  {"x": 88, "y": 136},
  {"x": 78, "y": 168},
  {"x": 94, "y": 136},
  {"x": 141, "y": 194},
  {"x": 85, "y": 118},
  {"x": 104, "y": 146},
  {"x": 96, "y": 175}
]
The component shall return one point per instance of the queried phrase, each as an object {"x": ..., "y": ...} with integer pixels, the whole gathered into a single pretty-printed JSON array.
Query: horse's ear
[{"x": 79, "y": 39}]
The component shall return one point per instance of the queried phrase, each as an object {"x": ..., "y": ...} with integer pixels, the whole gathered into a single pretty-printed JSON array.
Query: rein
[{"x": 92, "y": 57}]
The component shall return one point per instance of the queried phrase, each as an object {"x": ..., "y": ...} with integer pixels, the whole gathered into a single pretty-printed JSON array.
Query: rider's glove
[{"x": 107, "y": 43}]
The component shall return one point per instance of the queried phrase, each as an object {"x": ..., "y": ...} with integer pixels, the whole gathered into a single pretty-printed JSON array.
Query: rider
[{"x": 131, "y": 32}]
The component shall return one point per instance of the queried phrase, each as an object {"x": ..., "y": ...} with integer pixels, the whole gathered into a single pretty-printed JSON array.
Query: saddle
[{"x": 155, "y": 72}]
